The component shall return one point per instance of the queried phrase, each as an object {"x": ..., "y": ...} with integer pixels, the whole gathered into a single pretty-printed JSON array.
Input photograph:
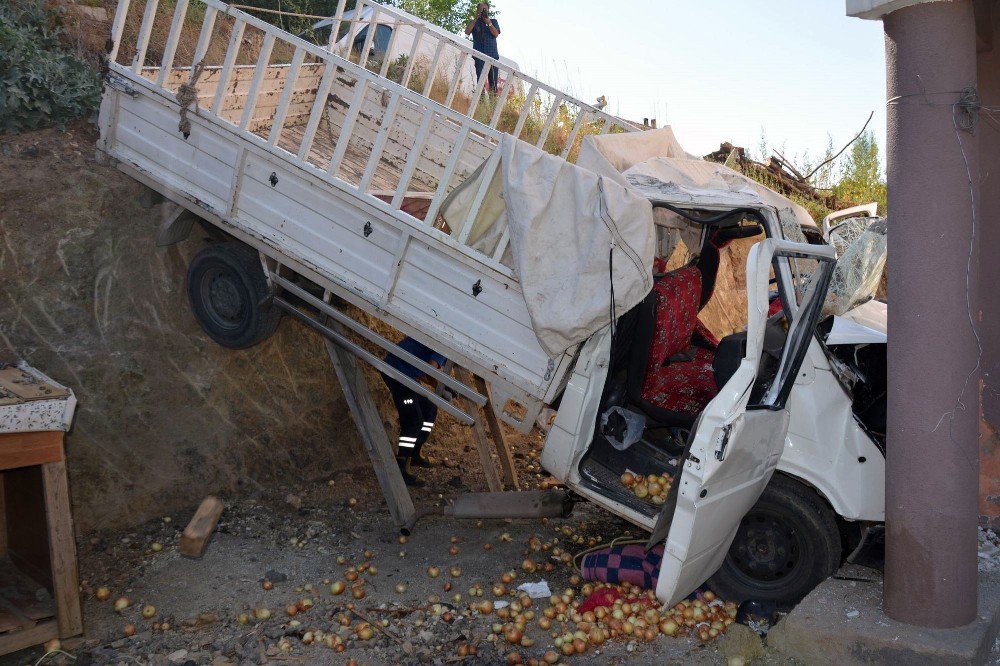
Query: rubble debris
[{"x": 196, "y": 535}]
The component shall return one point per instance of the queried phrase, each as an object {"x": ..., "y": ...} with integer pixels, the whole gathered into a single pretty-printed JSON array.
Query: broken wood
[
  {"x": 499, "y": 438},
  {"x": 196, "y": 535},
  {"x": 480, "y": 437},
  {"x": 370, "y": 428}
]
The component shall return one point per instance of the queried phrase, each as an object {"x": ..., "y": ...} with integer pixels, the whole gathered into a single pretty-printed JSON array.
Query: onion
[
  {"x": 358, "y": 591},
  {"x": 353, "y": 502},
  {"x": 453, "y": 550},
  {"x": 351, "y": 575},
  {"x": 579, "y": 645},
  {"x": 337, "y": 588},
  {"x": 243, "y": 618},
  {"x": 304, "y": 604},
  {"x": 528, "y": 566},
  {"x": 102, "y": 594},
  {"x": 514, "y": 659},
  {"x": 365, "y": 632},
  {"x": 487, "y": 546},
  {"x": 499, "y": 590},
  {"x": 52, "y": 645},
  {"x": 148, "y": 611},
  {"x": 129, "y": 630},
  {"x": 121, "y": 603},
  {"x": 341, "y": 560},
  {"x": 455, "y": 572},
  {"x": 262, "y": 613},
  {"x": 513, "y": 635},
  {"x": 433, "y": 572},
  {"x": 266, "y": 584},
  {"x": 156, "y": 547}
]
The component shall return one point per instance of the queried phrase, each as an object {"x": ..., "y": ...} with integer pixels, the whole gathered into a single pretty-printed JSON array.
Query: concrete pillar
[{"x": 932, "y": 458}]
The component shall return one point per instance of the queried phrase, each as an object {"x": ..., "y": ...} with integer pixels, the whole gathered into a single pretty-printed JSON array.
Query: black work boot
[
  {"x": 408, "y": 477},
  {"x": 417, "y": 460}
]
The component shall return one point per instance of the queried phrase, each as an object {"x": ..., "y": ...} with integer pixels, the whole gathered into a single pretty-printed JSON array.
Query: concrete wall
[
  {"x": 165, "y": 415},
  {"x": 989, "y": 228}
]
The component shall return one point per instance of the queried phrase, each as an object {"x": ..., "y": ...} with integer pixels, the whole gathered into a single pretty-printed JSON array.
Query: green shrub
[{"x": 41, "y": 84}]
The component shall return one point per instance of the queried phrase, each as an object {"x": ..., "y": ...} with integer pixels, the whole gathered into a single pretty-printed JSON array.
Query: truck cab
[{"x": 742, "y": 455}]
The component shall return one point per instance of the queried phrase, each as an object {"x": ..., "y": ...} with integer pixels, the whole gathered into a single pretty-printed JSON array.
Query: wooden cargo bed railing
[{"x": 382, "y": 138}]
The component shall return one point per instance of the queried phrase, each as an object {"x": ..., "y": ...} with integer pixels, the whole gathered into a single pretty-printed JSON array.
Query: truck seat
[{"x": 672, "y": 360}]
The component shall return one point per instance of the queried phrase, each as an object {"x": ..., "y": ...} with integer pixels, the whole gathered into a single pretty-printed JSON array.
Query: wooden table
[{"x": 39, "y": 581}]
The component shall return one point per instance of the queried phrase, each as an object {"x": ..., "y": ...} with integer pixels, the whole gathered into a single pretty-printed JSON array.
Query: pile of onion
[{"x": 651, "y": 488}]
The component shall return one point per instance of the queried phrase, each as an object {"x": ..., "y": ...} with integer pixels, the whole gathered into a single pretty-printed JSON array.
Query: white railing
[{"x": 448, "y": 47}]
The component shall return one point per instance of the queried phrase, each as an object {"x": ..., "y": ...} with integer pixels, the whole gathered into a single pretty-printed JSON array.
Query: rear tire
[
  {"x": 786, "y": 545},
  {"x": 228, "y": 294}
]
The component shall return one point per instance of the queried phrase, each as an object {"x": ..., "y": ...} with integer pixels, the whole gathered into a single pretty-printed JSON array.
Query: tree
[
  {"x": 861, "y": 174},
  {"x": 452, "y": 15}
]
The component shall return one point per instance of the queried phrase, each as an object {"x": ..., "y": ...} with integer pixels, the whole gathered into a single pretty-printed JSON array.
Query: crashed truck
[{"x": 568, "y": 271}]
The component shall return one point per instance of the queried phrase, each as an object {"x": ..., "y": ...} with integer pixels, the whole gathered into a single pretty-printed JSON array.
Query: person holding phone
[{"x": 484, "y": 30}]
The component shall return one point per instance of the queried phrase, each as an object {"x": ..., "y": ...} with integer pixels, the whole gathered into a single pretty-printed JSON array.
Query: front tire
[
  {"x": 786, "y": 545},
  {"x": 228, "y": 294}
]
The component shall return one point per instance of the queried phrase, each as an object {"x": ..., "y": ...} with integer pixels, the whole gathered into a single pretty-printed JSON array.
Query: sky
[{"x": 801, "y": 71}]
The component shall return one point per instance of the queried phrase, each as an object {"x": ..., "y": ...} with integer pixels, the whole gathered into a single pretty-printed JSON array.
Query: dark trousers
[
  {"x": 491, "y": 77},
  {"x": 416, "y": 417}
]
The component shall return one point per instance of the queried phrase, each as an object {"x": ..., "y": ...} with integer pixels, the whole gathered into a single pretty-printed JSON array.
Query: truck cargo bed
[{"x": 331, "y": 170}]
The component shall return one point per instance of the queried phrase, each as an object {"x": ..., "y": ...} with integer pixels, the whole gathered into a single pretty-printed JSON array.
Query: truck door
[{"x": 736, "y": 443}]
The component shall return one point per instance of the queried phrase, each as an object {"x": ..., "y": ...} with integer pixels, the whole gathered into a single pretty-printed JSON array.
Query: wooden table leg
[{"x": 62, "y": 549}]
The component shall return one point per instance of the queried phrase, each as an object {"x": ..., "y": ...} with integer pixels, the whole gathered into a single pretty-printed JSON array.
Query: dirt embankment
[{"x": 165, "y": 415}]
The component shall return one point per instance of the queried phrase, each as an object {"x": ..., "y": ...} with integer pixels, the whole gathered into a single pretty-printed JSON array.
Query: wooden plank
[
  {"x": 372, "y": 431},
  {"x": 480, "y": 437},
  {"x": 499, "y": 438},
  {"x": 62, "y": 549},
  {"x": 21, "y": 449},
  {"x": 27, "y": 387},
  {"x": 18, "y": 640},
  {"x": 196, "y": 535}
]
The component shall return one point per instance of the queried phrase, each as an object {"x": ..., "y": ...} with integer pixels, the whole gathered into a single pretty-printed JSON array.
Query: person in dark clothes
[
  {"x": 416, "y": 413},
  {"x": 485, "y": 30}
]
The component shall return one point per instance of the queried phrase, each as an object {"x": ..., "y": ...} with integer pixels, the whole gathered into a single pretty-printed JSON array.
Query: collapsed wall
[{"x": 165, "y": 415}]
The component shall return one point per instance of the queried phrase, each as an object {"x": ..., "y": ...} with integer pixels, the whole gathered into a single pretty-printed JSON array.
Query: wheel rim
[
  {"x": 767, "y": 550},
  {"x": 224, "y": 298}
]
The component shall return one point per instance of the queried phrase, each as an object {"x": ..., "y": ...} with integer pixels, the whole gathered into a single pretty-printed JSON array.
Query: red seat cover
[
  {"x": 685, "y": 386},
  {"x": 679, "y": 385},
  {"x": 676, "y": 315}
]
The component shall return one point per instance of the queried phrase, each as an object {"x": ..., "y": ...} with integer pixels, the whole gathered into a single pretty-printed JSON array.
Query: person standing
[
  {"x": 416, "y": 413},
  {"x": 485, "y": 30}
]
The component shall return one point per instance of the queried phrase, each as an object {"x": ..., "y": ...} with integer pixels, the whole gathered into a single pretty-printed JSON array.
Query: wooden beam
[
  {"x": 499, "y": 438},
  {"x": 21, "y": 449},
  {"x": 480, "y": 437},
  {"x": 62, "y": 549},
  {"x": 195, "y": 537},
  {"x": 370, "y": 427},
  {"x": 13, "y": 641}
]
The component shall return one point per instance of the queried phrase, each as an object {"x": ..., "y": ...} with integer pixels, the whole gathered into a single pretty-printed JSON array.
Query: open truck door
[{"x": 736, "y": 443}]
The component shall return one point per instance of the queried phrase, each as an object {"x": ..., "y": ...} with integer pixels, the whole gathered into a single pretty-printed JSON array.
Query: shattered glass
[{"x": 859, "y": 269}]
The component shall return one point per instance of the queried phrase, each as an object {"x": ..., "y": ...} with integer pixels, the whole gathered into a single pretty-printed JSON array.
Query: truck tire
[
  {"x": 786, "y": 545},
  {"x": 228, "y": 294}
]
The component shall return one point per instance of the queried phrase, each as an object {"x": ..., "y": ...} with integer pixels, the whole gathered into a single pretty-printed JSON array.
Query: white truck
[{"x": 327, "y": 178}]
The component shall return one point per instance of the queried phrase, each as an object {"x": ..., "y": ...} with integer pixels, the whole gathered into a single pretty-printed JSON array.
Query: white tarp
[{"x": 570, "y": 229}]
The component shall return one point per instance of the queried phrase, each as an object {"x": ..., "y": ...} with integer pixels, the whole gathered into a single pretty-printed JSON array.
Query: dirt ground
[{"x": 202, "y": 599}]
